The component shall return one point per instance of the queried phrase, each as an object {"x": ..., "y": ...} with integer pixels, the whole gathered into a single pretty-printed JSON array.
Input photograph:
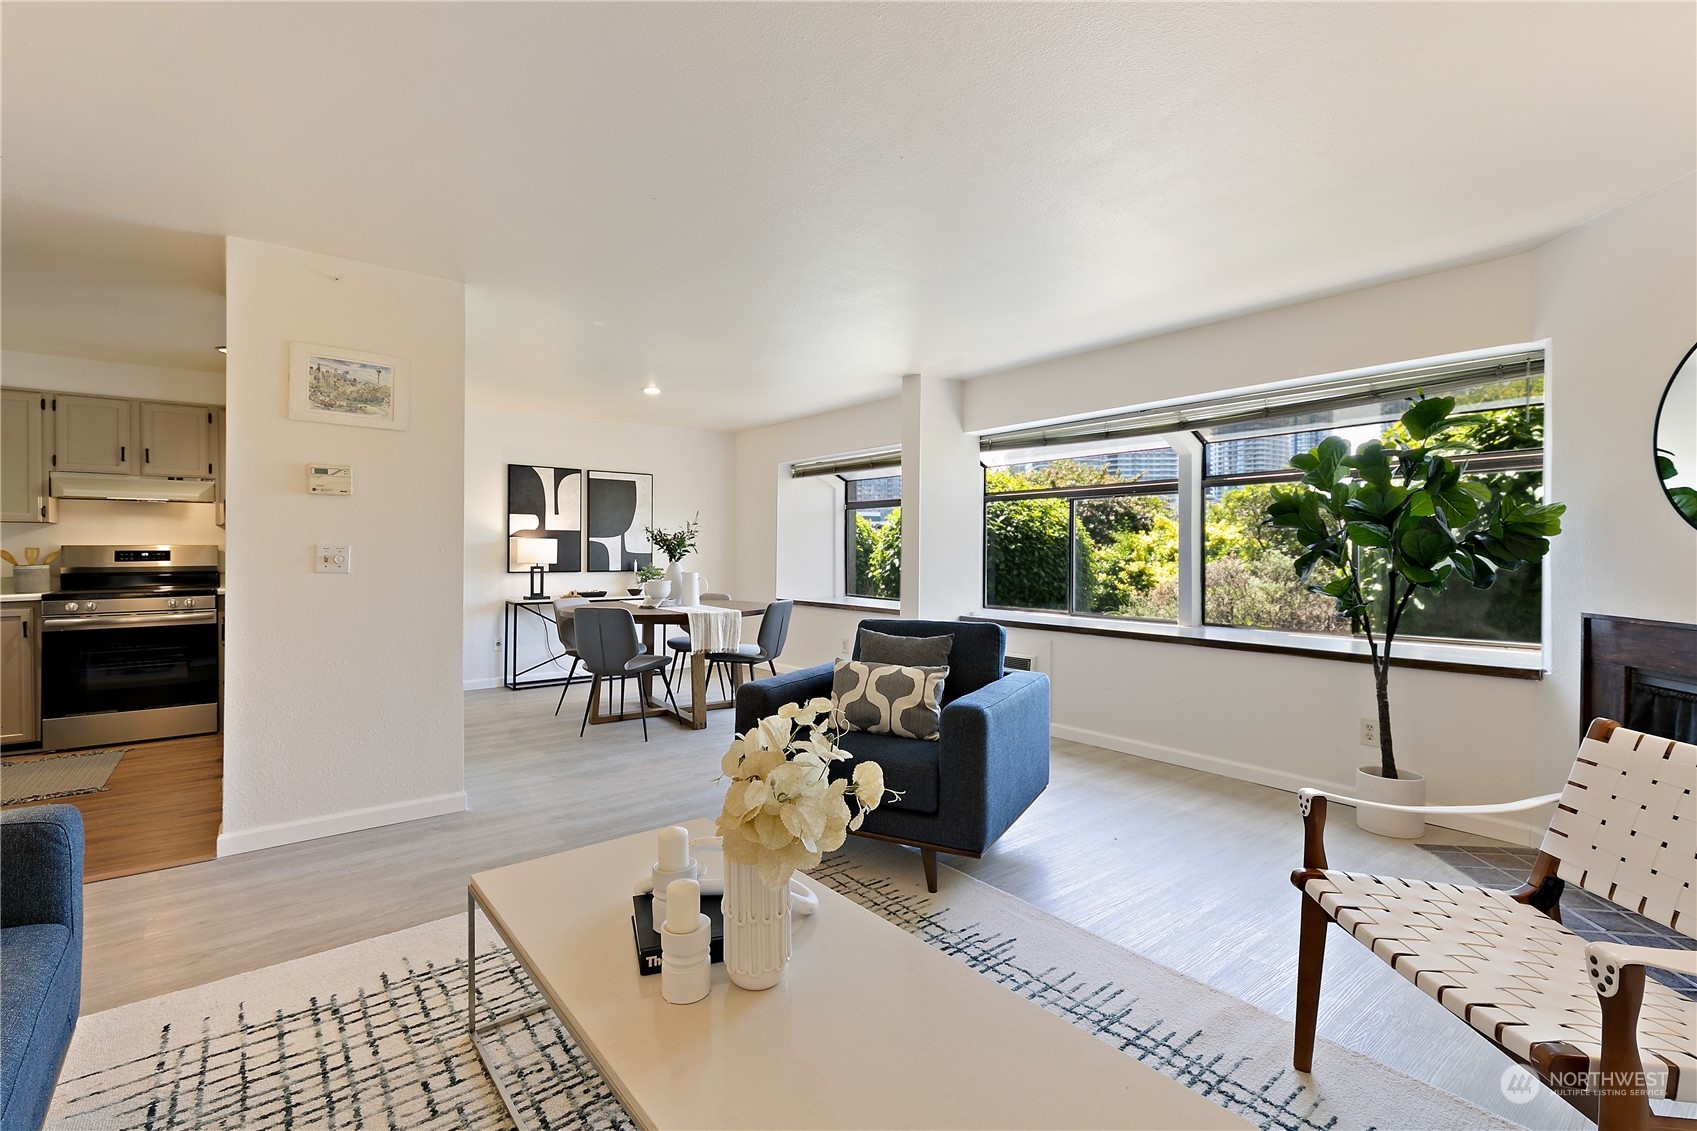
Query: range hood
[{"x": 130, "y": 488}]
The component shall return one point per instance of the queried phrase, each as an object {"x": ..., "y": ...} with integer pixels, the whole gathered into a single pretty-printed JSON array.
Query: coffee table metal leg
[{"x": 476, "y": 1031}]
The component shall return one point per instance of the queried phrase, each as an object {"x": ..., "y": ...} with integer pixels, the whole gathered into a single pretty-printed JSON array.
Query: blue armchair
[
  {"x": 41, "y": 868},
  {"x": 963, "y": 791}
]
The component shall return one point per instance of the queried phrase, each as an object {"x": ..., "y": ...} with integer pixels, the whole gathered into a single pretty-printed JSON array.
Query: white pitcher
[{"x": 691, "y": 594}]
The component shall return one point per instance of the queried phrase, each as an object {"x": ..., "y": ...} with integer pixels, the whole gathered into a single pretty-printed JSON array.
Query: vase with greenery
[
  {"x": 1397, "y": 523},
  {"x": 675, "y": 544}
]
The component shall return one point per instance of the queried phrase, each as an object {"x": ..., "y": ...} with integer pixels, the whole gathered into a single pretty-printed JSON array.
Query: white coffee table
[{"x": 870, "y": 1027}]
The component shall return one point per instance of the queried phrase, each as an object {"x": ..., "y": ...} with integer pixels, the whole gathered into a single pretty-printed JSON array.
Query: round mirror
[{"x": 1676, "y": 438}]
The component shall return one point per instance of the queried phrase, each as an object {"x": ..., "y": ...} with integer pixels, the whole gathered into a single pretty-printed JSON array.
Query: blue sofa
[
  {"x": 41, "y": 868},
  {"x": 963, "y": 791}
]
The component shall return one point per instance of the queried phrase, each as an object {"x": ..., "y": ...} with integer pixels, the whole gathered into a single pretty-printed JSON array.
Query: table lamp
[{"x": 536, "y": 553}]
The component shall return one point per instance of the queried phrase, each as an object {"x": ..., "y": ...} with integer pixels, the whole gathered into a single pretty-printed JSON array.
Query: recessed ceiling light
[
  {"x": 223, "y": 349},
  {"x": 651, "y": 389}
]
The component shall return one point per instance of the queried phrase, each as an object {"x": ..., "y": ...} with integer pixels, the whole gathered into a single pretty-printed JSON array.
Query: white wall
[
  {"x": 84, "y": 522},
  {"x": 692, "y": 475},
  {"x": 1618, "y": 301},
  {"x": 765, "y": 530},
  {"x": 343, "y": 691}
]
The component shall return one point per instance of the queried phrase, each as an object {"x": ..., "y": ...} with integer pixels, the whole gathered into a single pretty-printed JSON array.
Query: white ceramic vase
[
  {"x": 757, "y": 928},
  {"x": 675, "y": 574},
  {"x": 1408, "y": 788}
]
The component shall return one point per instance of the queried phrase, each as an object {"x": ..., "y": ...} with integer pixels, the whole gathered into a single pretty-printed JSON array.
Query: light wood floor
[
  {"x": 1189, "y": 869},
  {"x": 161, "y": 807}
]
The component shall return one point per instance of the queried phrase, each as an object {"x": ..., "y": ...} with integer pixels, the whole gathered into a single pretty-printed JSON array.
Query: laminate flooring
[{"x": 1187, "y": 868}]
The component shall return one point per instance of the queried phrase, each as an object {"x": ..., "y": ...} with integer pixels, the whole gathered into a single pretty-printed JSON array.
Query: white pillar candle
[
  {"x": 683, "y": 906},
  {"x": 674, "y": 849}
]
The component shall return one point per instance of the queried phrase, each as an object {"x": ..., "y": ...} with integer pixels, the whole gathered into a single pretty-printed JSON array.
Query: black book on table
[{"x": 648, "y": 938}]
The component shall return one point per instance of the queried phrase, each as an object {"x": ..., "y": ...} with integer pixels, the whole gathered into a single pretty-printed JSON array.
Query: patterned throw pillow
[
  {"x": 889, "y": 698},
  {"x": 911, "y": 651}
]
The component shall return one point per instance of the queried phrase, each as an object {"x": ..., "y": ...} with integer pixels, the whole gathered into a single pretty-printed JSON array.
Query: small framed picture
[{"x": 338, "y": 386}]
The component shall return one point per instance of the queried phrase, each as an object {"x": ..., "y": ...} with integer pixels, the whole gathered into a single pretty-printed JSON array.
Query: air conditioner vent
[{"x": 1016, "y": 663}]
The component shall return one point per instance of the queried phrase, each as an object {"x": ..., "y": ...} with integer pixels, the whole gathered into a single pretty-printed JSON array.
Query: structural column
[{"x": 942, "y": 503}]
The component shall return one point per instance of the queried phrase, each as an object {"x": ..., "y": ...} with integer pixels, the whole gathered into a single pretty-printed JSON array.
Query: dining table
[{"x": 693, "y": 712}]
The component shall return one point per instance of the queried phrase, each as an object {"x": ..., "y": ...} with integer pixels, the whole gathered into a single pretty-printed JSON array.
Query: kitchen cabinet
[
  {"x": 176, "y": 440},
  {"x": 23, "y": 476},
  {"x": 20, "y": 666},
  {"x": 93, "y": 434}
]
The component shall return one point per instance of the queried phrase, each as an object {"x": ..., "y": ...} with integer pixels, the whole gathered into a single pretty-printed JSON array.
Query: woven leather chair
[{"x": 1625, "y": 829}]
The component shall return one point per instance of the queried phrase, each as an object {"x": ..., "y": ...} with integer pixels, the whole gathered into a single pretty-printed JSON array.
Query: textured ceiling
[{"x": 771, "y": 209}]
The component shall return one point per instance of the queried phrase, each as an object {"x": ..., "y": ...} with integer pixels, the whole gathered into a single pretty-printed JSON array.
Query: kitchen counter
[{"x": 8, "y": 598}]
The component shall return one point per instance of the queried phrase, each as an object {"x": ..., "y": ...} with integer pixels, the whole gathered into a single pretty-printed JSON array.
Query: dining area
[{"x": 686, "y": 659}]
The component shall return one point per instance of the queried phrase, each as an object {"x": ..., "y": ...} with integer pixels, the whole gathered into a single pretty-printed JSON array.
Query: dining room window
[{"x": 872, "y": 536}]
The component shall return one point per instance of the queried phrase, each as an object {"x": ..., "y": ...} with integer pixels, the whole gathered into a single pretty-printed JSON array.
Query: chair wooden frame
[{"x": 1581, "y": 848}]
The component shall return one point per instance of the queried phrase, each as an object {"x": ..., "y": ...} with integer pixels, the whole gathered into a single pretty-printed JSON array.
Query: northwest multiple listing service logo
[{"x": 1519, "y": 1084}]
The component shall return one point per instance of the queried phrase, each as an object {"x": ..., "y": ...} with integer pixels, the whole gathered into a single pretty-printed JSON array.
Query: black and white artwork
[
  {"x": 621, "y": 508},
  {"x": 545, "y": 502}
]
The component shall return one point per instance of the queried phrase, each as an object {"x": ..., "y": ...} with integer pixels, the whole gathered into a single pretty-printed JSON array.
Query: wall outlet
[
  {"x": 1369, "y": 732},
  {"x": 334, "y": 559}
]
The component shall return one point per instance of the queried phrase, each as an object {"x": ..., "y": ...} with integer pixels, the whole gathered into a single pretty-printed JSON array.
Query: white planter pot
[
  {"x": 1408, "y": 788},
  {"x": 757, "y": 928},
  {"x": 675, "y": 574},
  {"x": 655, "y": 591}
]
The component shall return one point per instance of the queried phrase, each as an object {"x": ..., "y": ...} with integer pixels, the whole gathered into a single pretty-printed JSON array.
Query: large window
[
  {"x": 1091, "y": 534},
  {"x": 872, "y": 513},
  {"x": 1098, "y": 530}
]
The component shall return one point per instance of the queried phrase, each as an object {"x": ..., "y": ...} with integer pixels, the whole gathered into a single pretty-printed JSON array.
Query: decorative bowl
[
  {"x": 591, "y": 592},
  {"x": 635, "y": 590}
]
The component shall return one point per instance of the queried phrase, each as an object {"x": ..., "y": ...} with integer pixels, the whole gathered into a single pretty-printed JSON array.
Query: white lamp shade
[{"x": 536, "y": 551}]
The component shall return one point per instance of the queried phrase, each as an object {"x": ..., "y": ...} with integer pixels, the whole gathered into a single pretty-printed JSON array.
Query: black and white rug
[{"x": 374, "y": 1035}]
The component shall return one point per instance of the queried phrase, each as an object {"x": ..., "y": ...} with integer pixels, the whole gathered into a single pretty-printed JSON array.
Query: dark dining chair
[
  {"x": 608, "y": 645},
  {"x": 565, "y": 627},
  {"x": 774, "y": 630},
  {"x": 678, "y": 642}
]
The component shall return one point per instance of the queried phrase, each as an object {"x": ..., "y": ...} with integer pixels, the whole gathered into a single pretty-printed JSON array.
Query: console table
[{"x": 512, "y": 675}]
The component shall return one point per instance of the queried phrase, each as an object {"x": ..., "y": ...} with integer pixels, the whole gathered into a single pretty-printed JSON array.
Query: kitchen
[{"x": 111, "y": 498}]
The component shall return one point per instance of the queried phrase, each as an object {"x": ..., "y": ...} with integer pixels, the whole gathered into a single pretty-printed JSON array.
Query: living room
[{"x": 771, "y": 279}]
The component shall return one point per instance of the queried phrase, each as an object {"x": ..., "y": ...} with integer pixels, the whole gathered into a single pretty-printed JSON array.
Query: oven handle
[{"x": 126, "y": 620}]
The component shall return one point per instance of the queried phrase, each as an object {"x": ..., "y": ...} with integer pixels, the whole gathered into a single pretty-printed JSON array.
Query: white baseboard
[
  {"x": 1514, "y": 832},
  {"x": 334, "y": 824},
  {"x": 481, "y": 684}
]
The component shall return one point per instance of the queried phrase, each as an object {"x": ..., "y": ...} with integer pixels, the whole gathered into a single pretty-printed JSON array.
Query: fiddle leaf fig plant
[{"x": 1396, "y": 518}]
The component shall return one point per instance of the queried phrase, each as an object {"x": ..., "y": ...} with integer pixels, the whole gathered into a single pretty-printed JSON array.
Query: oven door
[{"x": 103, "y": 664}]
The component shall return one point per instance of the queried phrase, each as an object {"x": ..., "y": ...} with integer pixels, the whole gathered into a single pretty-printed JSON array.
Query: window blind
[
  {"x": 1291, "y": 400},
  {"x": 845, "y": 465}
]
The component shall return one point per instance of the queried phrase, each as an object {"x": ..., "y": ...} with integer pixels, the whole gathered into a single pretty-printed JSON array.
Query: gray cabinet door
[
  {"x": 176, "y": 439},
  {"x": 93, "y": 434},
  {"x": 23, "y": 474},
  {"x": 20, "y": 693}
]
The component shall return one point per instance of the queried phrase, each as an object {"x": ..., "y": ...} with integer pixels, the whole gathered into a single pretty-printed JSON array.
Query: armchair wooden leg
[
  {"x": 1623, "y": 1106},
  {"x": 928, "y": 857},
  {"x": 1310, "y": 959}
]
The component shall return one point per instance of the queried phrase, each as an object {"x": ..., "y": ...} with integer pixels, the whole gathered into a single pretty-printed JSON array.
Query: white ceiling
[{"x": 772, "y": 209}]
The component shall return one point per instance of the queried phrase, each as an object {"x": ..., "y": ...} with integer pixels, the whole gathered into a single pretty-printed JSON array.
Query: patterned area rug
[
  {"x": 373, "y": 1035},
  {"x": 1589, "y": 916},
  {"x": 60, "y": 775}
]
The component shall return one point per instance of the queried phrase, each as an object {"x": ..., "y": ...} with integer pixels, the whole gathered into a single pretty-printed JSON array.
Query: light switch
[{"x": 335, "y": 559}]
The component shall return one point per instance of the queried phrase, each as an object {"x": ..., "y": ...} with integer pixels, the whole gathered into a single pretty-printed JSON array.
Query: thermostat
[{"x": 329, "y": 479}]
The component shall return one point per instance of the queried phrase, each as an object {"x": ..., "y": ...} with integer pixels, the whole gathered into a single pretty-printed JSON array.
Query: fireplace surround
[{"x": 1641, "y": 673}]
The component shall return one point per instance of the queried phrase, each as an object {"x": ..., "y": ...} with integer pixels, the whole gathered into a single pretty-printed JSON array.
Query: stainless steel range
[{"x": 129, "y": 645}]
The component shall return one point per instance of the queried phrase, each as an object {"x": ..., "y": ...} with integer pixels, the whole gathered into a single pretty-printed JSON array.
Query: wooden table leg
[{"x": 698, "y": 690}]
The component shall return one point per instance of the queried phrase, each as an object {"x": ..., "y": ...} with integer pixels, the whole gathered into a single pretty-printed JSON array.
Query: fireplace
[{"x": 1641, "y": 673}]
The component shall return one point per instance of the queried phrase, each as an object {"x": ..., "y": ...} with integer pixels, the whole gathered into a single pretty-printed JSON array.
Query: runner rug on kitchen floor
[{"x": 61, "y": 775}]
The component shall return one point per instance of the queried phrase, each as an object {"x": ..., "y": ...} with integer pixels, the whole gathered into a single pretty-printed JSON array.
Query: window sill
[
  {"x": 1505, "y": 661},
  {"x": 854, "y": 605}
]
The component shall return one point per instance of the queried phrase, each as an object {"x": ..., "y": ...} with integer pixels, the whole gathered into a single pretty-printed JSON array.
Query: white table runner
[{"x": 713, "y": 629}]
